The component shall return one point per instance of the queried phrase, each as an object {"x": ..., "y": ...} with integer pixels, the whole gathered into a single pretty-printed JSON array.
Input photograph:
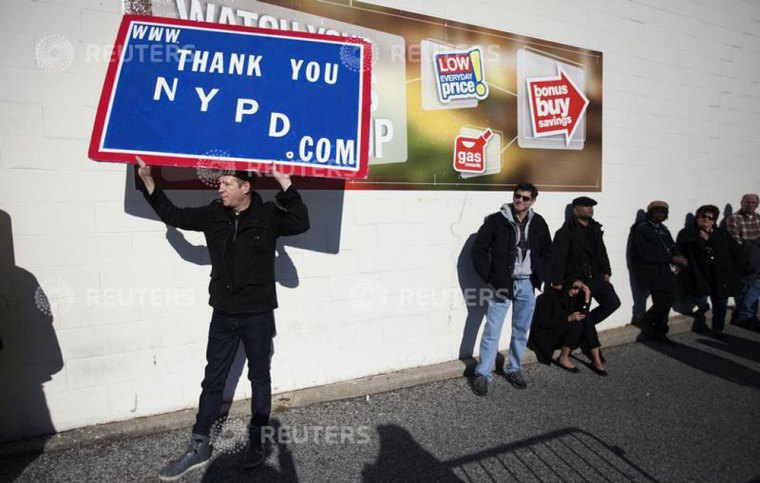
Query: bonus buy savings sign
[
  {"x": 184, "y": 93},
  {"x": 556, "y": 105}
]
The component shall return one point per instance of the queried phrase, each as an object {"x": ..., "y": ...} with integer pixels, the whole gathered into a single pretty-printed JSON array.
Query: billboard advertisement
[{"x": 452, "y": 106}]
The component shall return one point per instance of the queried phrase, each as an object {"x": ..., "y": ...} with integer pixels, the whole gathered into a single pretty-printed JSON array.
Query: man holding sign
[{"x": 241, "y": 232}]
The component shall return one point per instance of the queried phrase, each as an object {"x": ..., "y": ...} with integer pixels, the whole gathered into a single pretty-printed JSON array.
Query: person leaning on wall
[
  {"x": 713, "y": 269},
  {"x": 744, "y": 226},
  {"x": 655, "y": 260},
  {"x": 578, "y": 249},
  {"x": 510, "y": 254}
]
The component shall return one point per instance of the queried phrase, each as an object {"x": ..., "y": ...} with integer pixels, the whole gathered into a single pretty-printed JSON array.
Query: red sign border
[{"x": 96, "y": 154}]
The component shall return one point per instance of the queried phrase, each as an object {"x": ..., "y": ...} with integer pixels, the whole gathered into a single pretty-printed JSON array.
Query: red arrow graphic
[{"x": 556, "y": 105}]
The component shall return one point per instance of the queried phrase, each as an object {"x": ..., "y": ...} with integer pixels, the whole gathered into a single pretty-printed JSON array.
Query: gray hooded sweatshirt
[{"x": 522, "y": 264}]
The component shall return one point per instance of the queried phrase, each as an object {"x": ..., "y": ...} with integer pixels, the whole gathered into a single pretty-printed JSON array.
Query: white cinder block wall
[{"x": 127, "y": 333}]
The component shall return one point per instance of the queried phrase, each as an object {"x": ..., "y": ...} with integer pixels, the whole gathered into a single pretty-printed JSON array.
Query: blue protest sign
[{"x": 192, "y": 94}]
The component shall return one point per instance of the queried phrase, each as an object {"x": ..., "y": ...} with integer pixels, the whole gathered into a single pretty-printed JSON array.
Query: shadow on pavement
[
  {"x": 739, "y": 346},
  {"x": 277, "y": 468},
  {"x": 569, "y": 454},
  {"x": 710, "y": 363},
  {"x": 402, "y": 459}
]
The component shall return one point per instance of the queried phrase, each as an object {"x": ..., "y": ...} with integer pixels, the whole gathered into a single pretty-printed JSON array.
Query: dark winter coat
[
  {"x": 494, "y": 252},
  {"x": 652, "y": 252},
  {"x": 575, "y": 255},
  {"x": 553, "y": 307},
  {"x": 242, "y": 251},
  {"x": 713, "y": 264}
]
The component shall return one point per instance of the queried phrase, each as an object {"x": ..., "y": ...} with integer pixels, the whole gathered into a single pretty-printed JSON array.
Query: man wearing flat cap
[
  {"x": 241, "y": 233},
  {"x": 579, "y": 251},
  {"x": 656, "y": 261}
]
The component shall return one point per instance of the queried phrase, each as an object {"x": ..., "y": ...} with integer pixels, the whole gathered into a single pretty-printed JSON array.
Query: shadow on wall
[
  {"x": 325, "y": 214},
  {"x": 471, "y": 286},
  {"x": 728, "y": 210},
  {"x": 639, "y": 294},
  {"x": 30, "y": 353},
  {"x": 567, "y": 454}
]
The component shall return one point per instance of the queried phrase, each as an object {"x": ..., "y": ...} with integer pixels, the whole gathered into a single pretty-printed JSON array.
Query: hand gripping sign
[
  {"x": 469, "y": 153},
  {"x": 556, "y": 105},
  {"x": 184, "y": 93}
]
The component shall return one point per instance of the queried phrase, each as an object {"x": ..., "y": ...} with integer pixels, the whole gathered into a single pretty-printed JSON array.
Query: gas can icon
[{"x": 469, "y": 153}]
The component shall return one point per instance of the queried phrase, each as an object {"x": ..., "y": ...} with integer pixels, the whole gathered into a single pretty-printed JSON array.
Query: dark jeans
[
  {"x": 655, "y": 319},
  {"x": 225, "y": 333},
  {"x": 719, "y": 309},
  {"x": 608, "y": 300}
]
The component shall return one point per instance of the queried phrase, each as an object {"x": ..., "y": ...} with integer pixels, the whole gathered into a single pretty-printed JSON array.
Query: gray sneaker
[
  {"x": 197, "y": 456},
  {"x": 516, "y": 379},
  {"x": 480, "y": 385}
]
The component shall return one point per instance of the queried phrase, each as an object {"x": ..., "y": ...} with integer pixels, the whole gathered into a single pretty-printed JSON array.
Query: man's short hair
[
  {"x": 753, "y": 195},
  {"x": 527, "y": 187},
  {"x": 249, "y": 176}
]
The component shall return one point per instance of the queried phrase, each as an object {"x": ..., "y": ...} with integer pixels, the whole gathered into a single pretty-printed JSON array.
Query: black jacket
[
  {"x": 242, "y": 256},
  {"x": 552, "y": 310},
  {"x": 652, "y": 253},
  {"x": 494, "y": 252},
  {"x": 713, "y": 264},
  {"x": 575, "y": 255}
]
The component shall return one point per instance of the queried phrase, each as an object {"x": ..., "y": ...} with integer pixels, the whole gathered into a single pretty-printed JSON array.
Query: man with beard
[
  {"x": 579, "y": 251},
  {"x": 510, "y": 254},
  {"x": 656, "y": 261}
]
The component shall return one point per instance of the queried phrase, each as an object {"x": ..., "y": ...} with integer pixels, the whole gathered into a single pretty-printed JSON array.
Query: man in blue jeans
[
  {"x": 510, "y": 254},
  {"x": 241, "y": 233}
]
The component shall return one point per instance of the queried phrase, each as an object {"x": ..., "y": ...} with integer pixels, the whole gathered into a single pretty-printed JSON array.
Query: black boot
[{"x": 254, "y": 456}]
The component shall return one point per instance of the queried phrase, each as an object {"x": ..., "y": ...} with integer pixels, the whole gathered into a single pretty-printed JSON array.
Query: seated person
[{"x": 560, "y": 322}]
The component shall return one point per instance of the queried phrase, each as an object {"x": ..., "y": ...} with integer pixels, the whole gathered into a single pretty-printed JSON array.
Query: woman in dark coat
[
  {"x": 713, "y": 268},
  {"x": 560, "y": 322}
]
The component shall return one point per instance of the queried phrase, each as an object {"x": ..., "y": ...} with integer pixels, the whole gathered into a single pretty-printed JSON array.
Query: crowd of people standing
[{"x": 698, "y": 270}]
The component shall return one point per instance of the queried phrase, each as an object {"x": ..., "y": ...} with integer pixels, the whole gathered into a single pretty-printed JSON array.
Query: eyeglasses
[
  {"x": 524, "y": 198},
  {"x": 707, "y": 217},
  {"x": 576, "y": 287}
]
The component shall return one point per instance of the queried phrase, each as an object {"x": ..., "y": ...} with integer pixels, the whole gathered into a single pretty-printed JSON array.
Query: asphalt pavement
[{"x": 686, "y": 413}]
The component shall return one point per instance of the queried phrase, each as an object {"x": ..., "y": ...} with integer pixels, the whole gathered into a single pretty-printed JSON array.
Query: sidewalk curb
[{"x": 148, "y": 425}]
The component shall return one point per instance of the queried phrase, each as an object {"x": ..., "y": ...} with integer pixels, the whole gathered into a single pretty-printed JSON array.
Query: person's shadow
[
  {"x": 474, "y": 292},
  {"x": 227, "y": 466},
  {"x": 728, "y": 210},
  {"x": 638, "y": 292},
  {"x": 401, "y": 458},
  {"x": 30, "y": 353}
]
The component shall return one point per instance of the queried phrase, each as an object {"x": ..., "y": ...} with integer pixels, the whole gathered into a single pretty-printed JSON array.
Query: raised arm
[
  {"x": 185, "y": 218},
  {"x": 292, "y": 217}
]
